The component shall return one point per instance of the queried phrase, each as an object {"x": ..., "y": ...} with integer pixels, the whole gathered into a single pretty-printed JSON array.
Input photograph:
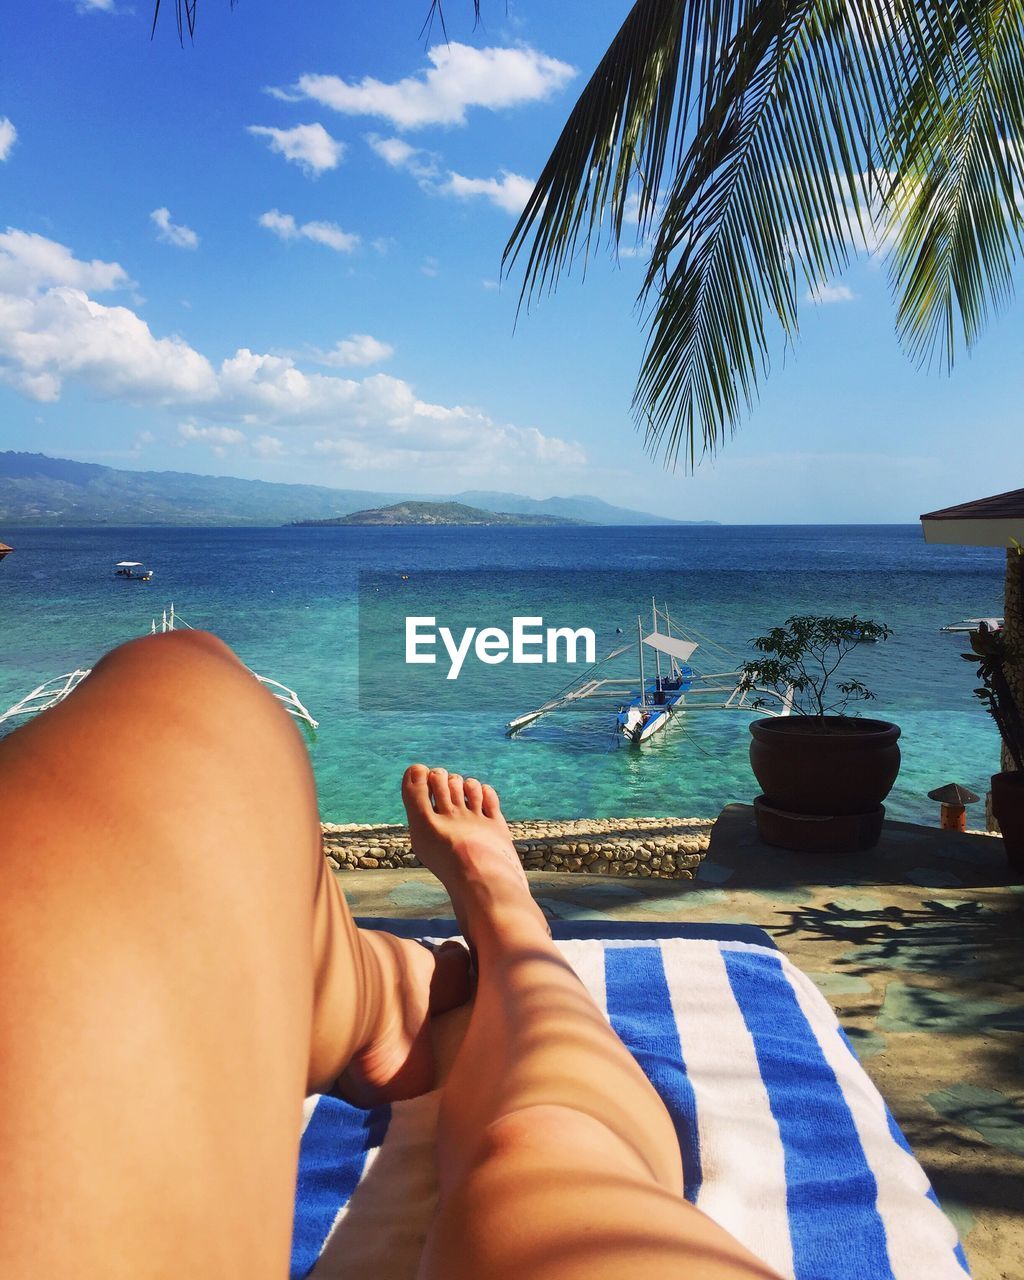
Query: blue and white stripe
[{"x": 783, "y": 1138}]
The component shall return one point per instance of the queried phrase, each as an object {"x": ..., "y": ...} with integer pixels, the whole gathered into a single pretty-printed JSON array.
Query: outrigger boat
[
  {"x": 646, "y": 709},
  {"x": 972, "y": 624},
  {"x": 53, "y": 691}
]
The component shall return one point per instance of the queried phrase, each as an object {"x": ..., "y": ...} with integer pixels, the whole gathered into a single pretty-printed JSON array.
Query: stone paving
[{"x": 918, "y": 945}]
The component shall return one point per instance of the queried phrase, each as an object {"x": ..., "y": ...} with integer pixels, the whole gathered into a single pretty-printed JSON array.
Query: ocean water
[{"x": 287, "y": 602}]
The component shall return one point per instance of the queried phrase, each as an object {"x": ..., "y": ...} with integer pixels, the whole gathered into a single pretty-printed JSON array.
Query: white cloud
[
  {"x": 8, "y": 137},
  {"x": 459, "y": 77},
  {"x": 268, "y": 447},
  {"x": 95, "y": 6},
  {"x": 828, "y": 293},
  {"x": 175, "y": 233},
  {"x": 64, "y": 333},
  {"x": 211, "y": 435},
  {"x": 399, "y": 154},
  {"x": 357, "y": 349},
  {"x": 308, "y": 145},
  {"x": 29, "y": 262},
  {"x": 429, "y": 267},
  {"x": 284, "y": 226},
  {"x": 52, "y": 332},
  {"x": 509, "y": 192}
]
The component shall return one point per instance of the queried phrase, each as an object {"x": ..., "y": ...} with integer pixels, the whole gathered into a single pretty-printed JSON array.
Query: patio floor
[{"x": 918, "y": 945}]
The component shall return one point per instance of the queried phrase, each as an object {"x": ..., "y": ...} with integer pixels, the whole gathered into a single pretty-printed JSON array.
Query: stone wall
[{"x": 665, "y": 848}]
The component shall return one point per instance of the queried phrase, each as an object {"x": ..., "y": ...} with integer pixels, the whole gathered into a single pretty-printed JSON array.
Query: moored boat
[
  {"x": 648, "y": 705},
  {"x": 972, "y": 624}
]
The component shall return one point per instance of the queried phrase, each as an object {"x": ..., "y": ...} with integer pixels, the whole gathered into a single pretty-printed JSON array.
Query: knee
[
  {"x": 173, "y": 650},
  {"x": 169, "y": 664},
  {"x": 188, "y": 677}
]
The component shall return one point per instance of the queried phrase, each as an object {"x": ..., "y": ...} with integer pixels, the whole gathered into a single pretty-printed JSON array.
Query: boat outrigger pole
[
  {"x": 657, "y": 652},
  {"x": 640, "y": 650}
]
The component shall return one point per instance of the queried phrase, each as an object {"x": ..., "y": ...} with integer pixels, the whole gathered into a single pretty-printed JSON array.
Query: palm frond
[
  {"x": 763, "y": 108},
  {"x": 623, "y": 126},
  {"x": 958, "y": 175},
  {"x": 185, "y": 12}
]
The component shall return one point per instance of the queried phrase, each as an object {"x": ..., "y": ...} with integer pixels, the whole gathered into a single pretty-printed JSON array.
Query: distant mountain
[
  {"x": 423, "y": 513},
  {"x": 589, "y": 510},
  {"x": 39, "y": 490},
  {"x": 36, "y": 489}
]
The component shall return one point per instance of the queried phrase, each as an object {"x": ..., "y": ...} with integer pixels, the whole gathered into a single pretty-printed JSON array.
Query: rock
[{"x": 369, "y": 863}]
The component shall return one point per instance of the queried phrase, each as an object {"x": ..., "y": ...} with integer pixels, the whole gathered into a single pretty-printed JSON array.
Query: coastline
[{"x": 650, "y": 848}]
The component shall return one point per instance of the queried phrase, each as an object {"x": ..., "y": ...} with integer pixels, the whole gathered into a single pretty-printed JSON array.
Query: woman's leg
[
  {"x": 556, "y": 1157},
  {"x": 162, "y": 1009}
]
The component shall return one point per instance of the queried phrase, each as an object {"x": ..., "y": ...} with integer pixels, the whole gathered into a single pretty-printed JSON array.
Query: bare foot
[
  {"x": 397, "y": 1060},
  {"x": 459, "y": 832}
]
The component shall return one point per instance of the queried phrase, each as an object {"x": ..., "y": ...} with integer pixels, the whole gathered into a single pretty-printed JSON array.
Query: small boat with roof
[{"x": 133, "y": 569}]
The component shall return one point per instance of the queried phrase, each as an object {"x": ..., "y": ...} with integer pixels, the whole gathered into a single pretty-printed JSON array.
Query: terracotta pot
[
  {"x": 836, "y": 766},
  {"x": 1008, "y": 807}
]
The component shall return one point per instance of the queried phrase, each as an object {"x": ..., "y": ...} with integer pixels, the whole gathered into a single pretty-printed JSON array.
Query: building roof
[
  {"x": 1001, "y": 506},
  {"x": 987, "y": 522}
]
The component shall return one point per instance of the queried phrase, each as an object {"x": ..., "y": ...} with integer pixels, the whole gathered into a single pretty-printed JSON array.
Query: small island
[{"x": 430, "y": 513}]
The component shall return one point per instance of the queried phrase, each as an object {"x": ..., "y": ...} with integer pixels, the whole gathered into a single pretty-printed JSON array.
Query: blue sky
[{"x": 275, "y": 253}]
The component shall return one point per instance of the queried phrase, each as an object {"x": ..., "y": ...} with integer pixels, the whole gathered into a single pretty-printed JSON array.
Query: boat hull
[{"x": 639, "y": 721}]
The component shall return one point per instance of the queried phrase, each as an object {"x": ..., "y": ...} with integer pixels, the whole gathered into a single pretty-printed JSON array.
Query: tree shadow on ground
[{"x": 975, "y": 941}]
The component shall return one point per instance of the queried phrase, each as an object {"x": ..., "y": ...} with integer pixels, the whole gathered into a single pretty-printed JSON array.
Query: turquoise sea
[{"x": 286, "y": 600}]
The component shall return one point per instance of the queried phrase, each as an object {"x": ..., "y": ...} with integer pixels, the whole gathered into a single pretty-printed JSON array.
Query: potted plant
[
  {"x": 823, "y": 773},
  {"x": 992, "y": 654}
]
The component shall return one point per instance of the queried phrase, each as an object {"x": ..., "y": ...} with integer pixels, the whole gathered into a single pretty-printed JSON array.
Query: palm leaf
[
  {"x": 763, "y": 107},
  {"x": 185, "y": 12},
  {"x": 788, "y": 131},
  {"x": 958, "y": 175},
  {"x": 623, "y": 126}
]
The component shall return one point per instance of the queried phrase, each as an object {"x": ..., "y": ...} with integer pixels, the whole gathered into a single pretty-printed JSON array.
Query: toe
[
  {"x": 440, "y": 792},
  {"x": 474, "y": 795},
  {"x": 415, "y": 792},
  {"x": 491, "y": 807},
  {"x": 456, "y": 788}
]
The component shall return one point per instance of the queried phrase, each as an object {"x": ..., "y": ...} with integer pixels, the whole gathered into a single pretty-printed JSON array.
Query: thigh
[{"x": 157, "y": 871}]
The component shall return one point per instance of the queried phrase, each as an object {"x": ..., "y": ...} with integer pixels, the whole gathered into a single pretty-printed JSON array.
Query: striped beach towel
[{"x": 783, "y": 1138}]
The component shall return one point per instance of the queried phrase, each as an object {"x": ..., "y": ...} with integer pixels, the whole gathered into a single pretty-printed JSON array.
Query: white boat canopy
[
  {"x": 128, "y": 564},
  {"x": 681, "y": 649}
]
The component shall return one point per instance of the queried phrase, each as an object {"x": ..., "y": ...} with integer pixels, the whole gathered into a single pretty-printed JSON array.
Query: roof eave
[{"x": 973, "y": 532}]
